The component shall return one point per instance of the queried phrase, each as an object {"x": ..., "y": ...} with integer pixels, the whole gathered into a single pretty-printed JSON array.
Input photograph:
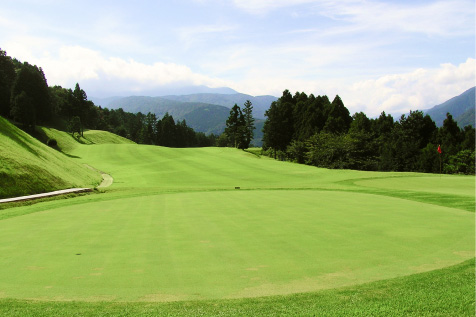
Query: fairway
[{"x": 173, "y": 227}]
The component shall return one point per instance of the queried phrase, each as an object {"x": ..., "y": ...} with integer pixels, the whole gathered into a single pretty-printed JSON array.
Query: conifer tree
[
  {"x": 235, "y": 128},
  {"x": 249, "y": 122}
]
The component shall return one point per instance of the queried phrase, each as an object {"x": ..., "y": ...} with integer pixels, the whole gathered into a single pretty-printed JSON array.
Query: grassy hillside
[
  {"x": 105, "y": 137},
  {"x": 28, "y": 166},
  {"x": 67, "y": 142}
]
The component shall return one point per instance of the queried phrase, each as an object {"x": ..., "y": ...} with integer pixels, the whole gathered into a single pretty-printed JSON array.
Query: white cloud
[
  {"x": 190, "y": 35},
  {"x": 420, "y": 89},
  {"x": 114, "y": 75},
  {"x": 263, "y": 6},
  {"x": 443, "y": 18}
]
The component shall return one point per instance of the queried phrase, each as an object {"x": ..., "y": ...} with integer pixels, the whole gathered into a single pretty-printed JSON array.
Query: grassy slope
[
  {"x": 67, "y": 143},
  {"x": 27, "y": 166}
]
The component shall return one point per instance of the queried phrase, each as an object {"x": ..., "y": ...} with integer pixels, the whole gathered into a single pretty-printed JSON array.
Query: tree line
[
  {"x": 315, "y": 131},
  {"x": 26, "y": 98},
  {"x": 305, "y": 129}
]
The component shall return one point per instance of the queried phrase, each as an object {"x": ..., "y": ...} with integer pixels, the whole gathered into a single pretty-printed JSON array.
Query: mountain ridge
[
  {"x": 204, "y": 112},
  {"x": 461, "y": 107}
]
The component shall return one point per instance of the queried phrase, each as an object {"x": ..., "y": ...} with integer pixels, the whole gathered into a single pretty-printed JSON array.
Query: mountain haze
[
  {"x": 202, "y": 117},
  {"x": 204, "y": 112},
  {"x": 260, "y": 103}
]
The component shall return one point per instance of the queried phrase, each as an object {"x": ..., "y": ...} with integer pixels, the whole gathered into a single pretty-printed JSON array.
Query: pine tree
[
  {"x": 236, "y": 128},
  {"x": 31, "y": 80},
  {"x": 249, "y": 122}
]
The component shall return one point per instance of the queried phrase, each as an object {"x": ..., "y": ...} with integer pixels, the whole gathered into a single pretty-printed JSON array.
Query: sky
[{"x": 389, "y": 56}]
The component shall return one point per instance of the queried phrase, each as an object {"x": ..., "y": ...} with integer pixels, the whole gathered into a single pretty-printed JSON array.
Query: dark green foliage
[
  {"x": 239, "y": 128},
  {"x": 23, "y": 110},
  {"x": 449, "y": 135},
  {"x": 52, "y": 142},
  {"x": 460, "y": 163},
  {"x": 249, "y": 121},
  {"x": 279, "y": 125},
  {"x": 468, "y": 142},
  {"x": 7, "y": 77},
  {"x": 313, "y": 131},
  {"x": 328, "y": 150},
  {"x": 409, "y": 136},
  {"x": 222, "y": 140},
  {"x": 338, "y": 119},
  {"x": 75, "y": 125},
  {"x": 297, "y": 151},
  {"x": 31, "y": 80},
  {"x": 235, "y": 127},
  {"x": 360, "y": 123}
]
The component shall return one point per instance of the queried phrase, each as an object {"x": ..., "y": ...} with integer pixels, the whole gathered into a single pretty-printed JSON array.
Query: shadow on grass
[
  {"x": 18, "y": 137},
  {"x": 68, "y": 155}
]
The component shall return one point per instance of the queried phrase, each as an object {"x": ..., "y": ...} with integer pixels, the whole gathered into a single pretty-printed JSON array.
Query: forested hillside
[
  {"x": 200, "y": 116},
  {"x": 260, "y": 103},
  {"x": 461, "y": 107},
  {"x": 315, "y": 131}
]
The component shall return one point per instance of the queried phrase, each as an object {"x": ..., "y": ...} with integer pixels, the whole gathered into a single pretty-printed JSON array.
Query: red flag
[{"x": 439, "y": 149}]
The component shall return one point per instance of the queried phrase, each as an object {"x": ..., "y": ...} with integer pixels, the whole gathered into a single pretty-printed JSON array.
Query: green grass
[
  {"x": 444, "y": 292},
  {"x": 197, "y": 245},
  {"x": 28, "y": 166},
  {"x": 172, "y": 227},
  {"x": 67, "y": 142},
  {"x": 104, "y": 137}
]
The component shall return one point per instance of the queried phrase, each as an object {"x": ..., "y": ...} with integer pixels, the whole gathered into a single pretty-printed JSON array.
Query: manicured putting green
[
  {"x": 224, "y": 244},
  {"x": 444, "y": 184}
]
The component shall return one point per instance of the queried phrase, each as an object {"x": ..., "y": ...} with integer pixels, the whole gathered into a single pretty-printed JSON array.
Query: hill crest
[{"x": 461, "y": 107}]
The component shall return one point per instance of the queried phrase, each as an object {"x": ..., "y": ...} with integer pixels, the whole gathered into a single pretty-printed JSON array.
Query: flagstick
[
  {"x": 439, "y": 152},
  {"x": 440, "y": 164}
]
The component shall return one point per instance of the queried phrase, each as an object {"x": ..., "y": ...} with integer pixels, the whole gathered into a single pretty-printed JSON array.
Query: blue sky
[{"x": 377, "y": 55}]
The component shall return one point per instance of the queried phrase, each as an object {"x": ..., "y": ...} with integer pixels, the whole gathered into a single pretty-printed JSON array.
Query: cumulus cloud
[
  {"x": 419, "y": 89},
  {"x": 113, "y": 75}
]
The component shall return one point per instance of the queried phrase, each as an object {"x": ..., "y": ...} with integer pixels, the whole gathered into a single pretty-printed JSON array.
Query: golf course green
[{"x": 219, "y": 223}]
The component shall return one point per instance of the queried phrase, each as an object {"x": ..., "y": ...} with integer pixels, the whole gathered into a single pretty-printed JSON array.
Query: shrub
[{"x": 52, "y": 142}]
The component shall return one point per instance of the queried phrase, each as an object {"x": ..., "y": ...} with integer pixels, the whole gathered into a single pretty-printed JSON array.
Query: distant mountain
[
  {"x": 204, "y": 112},
  {"x": 103, "y": 102},
  {"x": 202, "y": 117},
  {"x": 460, "y": 107},
  {"x": 187, "y": 90},
  {"x": 260, "y": 103}
]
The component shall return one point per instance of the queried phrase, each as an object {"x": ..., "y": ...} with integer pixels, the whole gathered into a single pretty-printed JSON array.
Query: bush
[{"x": 52, "y": 142}]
